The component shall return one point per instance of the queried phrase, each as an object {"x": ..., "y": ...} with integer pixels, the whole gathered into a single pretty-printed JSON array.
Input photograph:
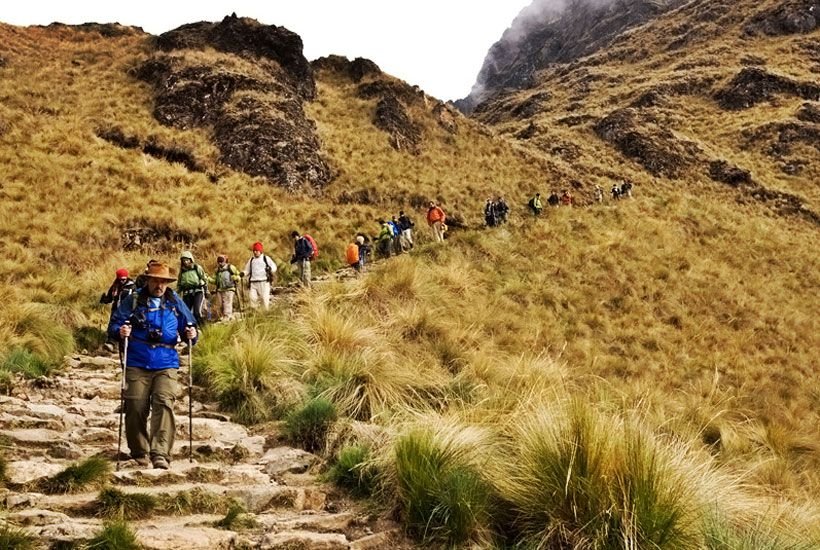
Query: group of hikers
[
  {"x": 496, "y": 212},
  {"x": 149, "y": 320}
]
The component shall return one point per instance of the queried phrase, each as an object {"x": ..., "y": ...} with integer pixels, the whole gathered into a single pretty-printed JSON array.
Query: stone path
[{"x": 46, "y": 425}]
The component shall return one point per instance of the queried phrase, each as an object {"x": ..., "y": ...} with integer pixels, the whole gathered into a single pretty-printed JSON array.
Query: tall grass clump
[
  {"x": 308, "y": 426},
  {"x": 115, "y": 504},
  {"x": 38, "y": 329},
  {"x": 115, "y": 535},
  {"x": 245, "y": 375},
  {"x": 353, "y": 471},
  {"x": 442, "y": 494},
  {"x": 91, "y": 472},
  {"x": 23, "y": 361},
  {"x": 761, "y": 534},
  {"x": 574, "y": 478},
  {"x": 12, "y": 538}
]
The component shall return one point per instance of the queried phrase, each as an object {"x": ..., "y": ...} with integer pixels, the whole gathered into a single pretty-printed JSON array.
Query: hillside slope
[{"x": 684, "y": 320}]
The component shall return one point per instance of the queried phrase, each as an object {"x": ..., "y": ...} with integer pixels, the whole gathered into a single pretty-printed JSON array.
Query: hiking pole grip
[
  {"x": 190, "y": 401},
  {"x": 124, "y": 362}
]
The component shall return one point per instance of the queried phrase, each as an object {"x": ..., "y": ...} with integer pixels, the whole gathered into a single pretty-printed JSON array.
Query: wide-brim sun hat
[{"x": 160, "y": 271}]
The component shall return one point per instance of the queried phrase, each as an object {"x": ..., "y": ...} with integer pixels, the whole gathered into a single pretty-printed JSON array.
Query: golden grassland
[{"x": 679, "y": 310}]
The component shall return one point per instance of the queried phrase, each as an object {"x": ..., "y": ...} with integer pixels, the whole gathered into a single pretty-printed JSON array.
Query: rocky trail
[{"x": 48, "y": 424}]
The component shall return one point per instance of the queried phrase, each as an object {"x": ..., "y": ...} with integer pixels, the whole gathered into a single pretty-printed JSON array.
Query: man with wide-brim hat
[{"x": 154, "y": 320}]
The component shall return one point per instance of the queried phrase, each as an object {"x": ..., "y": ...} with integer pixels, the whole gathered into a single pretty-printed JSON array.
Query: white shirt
[{"x": 255, "y": 268}]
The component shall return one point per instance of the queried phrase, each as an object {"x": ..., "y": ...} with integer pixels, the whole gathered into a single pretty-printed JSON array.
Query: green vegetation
[
  {"x": 115, "y": 535},
  {"x": 236, "y": 518},
  {"x": 308, "y": 426},
  {"x": 115, "y": 504},
  {"x": 12, "y": 538},
  {"x": 79, "y": 476},
  {"x": 352, "y": 471}
]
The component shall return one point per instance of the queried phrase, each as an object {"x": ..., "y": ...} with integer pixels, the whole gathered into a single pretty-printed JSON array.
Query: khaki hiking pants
[
  {"x": 437, "y": 229},
  {"x": 151, "y": 391},
  {"x": 259, "y": 293},
  {"x": 304, "y": 272},
  {"x": 224, "y": 303}
]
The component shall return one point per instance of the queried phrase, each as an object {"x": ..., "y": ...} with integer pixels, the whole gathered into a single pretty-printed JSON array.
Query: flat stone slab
[
  {"x": 37, "y": 437},
  {"x": 38, "y": 517},
  {"x": 27, "y": 471},
  {"x": 302, "y": 540}
]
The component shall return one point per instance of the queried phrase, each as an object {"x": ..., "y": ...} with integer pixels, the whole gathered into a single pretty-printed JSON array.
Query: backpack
[
  {"x": 268, "y": 269},
  {"x": 312, "y": 242},
  {"x": 352, "y": 254},
  {"x": 225, "y": 278}
]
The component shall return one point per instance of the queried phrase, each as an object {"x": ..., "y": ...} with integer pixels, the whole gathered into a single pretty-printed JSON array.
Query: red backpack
[{"x": 314, "y": 245}]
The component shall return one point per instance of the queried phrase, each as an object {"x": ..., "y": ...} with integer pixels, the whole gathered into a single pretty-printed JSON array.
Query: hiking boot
[
  {"x": 160, "y": 463},
  {"x": 109, "y": 347},
  {"x": 143, "y": 461}
]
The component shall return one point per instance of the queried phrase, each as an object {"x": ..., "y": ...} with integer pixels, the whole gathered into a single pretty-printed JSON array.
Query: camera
[{"x": 154, "y": 335}]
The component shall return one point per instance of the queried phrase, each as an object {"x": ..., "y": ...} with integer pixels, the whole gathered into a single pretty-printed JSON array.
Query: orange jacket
[{"x": 435, "y": 214}]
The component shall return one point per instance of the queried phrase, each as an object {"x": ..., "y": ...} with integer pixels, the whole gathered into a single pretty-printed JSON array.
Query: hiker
[
  {"x": 120, "y": 289},
  {"x": 364, "y": 251},
  {"x": 141, "y": 279},
  {"x": 536, "y": 205},
  {"x": 501, "y": 210},
  {"x": 566, "y": 198},
  {"x": 302, "y": 254},
  {"x": 384, "y": 239},
  {"x": 553, "y": 199},
  {"x": 261, "y": 271},
  {"x": 192, "y": 284},
  {"x": 396, "y": 229},
  {"x": 489, "y": 213},
  {"x": 626, "y": 189},
  {"x": 598, "y": 194},
  {"x": 352, "y": 255},
  {"x": 436, "y": 219},
  {"x": 616, "y": 192},
  {"x": 406, "y": 226},
  {"x": 225, "y": 280},
  {"x": 153, "y": 320}
]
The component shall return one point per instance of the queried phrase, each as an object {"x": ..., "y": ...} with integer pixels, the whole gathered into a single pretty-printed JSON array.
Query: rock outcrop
[
  {"x": 251, "y": 94},
  {"x": 548, "y": 32}
]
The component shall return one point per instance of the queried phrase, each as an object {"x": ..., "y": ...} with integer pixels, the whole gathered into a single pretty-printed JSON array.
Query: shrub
[
  {"x": 244, "y": 376},
  {"x": 442, "y": 495},
  {"x": 78, "y": 476},
  {"x": 25, "y": 362},
  {"x": 578, "y": 479},
  {"x": 116, "y": 535},
  {"x": 308, "y": 426},
  {"x": 12, "y": 538},
  {"x": 115, "y": 504},
  {"x": 89, "y": 338},
  {"x": 353, "y": 472}
]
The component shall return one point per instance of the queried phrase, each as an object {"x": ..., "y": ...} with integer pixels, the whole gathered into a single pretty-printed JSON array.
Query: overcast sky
[{"x": 437, "y": 44}]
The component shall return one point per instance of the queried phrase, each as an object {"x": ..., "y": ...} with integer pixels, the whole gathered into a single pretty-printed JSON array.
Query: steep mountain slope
[
  {"x": 713, "y": 91},
  {"x": 555, "y": 31}
]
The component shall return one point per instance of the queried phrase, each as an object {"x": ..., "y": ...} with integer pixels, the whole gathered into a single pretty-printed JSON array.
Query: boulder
[
  {"x": 789, "y": 17},
  {"x": 287, "y": 459}
]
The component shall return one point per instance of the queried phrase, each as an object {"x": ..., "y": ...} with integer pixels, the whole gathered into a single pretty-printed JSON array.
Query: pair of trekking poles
[{"x": 123, "y": 363}]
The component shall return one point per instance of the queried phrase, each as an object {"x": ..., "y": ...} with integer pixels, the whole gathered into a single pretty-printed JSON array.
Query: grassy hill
[{"x": 557, "y": 382}]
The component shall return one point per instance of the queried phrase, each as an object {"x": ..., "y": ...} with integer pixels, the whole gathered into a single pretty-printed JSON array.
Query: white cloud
[{"x": 439, "y": 45}]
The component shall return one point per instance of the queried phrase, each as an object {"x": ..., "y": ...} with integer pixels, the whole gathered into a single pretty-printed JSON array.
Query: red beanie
[
  {"x": 122, "y": 273},
  {"x": 257, "y": 246}
]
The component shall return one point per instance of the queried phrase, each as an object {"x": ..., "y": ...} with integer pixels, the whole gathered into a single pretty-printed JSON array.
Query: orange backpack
[{"x": 352, "y": 254}]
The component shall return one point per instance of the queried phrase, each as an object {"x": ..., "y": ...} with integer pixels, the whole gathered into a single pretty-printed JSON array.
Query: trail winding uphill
[{"x": 49, "y": 424}]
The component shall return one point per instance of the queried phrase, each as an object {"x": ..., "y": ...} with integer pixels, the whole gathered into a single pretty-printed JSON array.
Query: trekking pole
[
  {"x": 123, "y": 362},
  {"x": 190, "y": 402}
]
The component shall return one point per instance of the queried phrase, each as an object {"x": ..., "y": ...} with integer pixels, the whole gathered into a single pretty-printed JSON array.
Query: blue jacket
[{"x": 166, "y": 321}]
